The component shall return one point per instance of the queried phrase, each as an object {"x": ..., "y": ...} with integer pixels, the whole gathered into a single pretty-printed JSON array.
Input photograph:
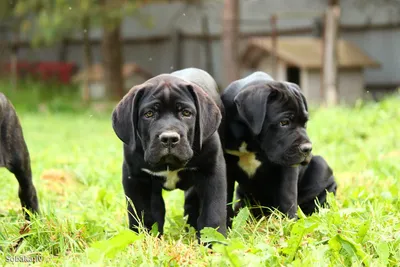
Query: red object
[
  {"x": 23, "y": 67},
  {"x": 55, "y": 70},
  {"x": 45, "y": 71}
]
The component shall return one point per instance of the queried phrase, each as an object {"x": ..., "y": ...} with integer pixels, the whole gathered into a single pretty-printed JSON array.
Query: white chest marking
[
  {"x": 171, "y": 177},
  {"x": 247, "y": 160}
]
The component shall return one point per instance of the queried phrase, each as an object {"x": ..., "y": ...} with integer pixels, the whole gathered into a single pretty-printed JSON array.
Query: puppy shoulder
[
  {"x": 318, "y": 160},
  {"x": 133, "y": 159},
  {"x": 318, "y": 167}
]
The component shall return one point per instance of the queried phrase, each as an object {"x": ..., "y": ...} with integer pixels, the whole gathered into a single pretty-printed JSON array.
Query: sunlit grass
[{"x": 76, "y": 162}]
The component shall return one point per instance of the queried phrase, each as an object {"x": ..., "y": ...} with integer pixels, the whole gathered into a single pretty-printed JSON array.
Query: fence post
[
  {"x": 87, "y": 58},
  {"x": 207, "y": 45},
  {"x": 230, "y": 41},
  {"x": 330, "y": 58},
  {"x": 274, "y": 46}
]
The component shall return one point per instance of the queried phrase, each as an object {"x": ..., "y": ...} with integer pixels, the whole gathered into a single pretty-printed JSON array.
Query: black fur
[
  {"x": 270, "y": 117},
  {"x": 14, "y": 155},
  {"x": 171, "y": 122}
]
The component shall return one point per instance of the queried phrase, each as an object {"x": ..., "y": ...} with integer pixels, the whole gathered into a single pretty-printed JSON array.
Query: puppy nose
[
  {"x": 169, "y": 139},
  {"x": 305, "y": 148}
]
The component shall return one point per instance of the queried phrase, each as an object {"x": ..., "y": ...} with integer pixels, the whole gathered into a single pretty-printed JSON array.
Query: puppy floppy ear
[
  {"x": 251, "y": 104},
  {"x": 208, "y": 117},
  {"x": 298, "y": 92},
  {"x": 125, "y": 115}
]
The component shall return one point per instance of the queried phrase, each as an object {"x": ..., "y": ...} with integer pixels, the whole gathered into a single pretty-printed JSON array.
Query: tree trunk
[
  {"x": 112, "y": 60},
  {"x": 87, "y": 58},
  {"x": 230, "y": 41},
  {"x": 14, "y": 61}
]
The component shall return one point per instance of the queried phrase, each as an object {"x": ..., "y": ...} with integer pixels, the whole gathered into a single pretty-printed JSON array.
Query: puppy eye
[
  {"x": 284, "y": 123},
  {"x": 186, "y": 113},
  {"x": 149, "y": 114}
]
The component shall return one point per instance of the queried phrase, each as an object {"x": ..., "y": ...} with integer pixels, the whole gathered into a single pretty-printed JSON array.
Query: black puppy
[
  {"x": 169, "y": 129},
  {"x": 14, "y": 155},
  {"x": 268, "y": 151}
]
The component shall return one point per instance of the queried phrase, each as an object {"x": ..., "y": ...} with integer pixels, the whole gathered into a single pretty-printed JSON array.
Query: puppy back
[
  {"x": 235, "y": 87},
  {"x": 202, "y": 79}
]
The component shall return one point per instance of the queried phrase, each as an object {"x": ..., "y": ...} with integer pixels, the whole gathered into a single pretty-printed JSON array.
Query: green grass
[{"x": 76, "y": 161}]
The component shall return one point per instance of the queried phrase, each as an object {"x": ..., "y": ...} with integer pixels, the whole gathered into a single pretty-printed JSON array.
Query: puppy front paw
[{"x": 293, "y": 216}]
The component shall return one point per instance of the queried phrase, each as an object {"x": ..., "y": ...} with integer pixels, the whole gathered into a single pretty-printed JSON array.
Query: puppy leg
[
  {"x": 234, "y": 174},
  {"x": 192, "y": 207},
  {"x": 240, "y": 200},
  {"x": 19, "y": 165},
  {"x": 287, "y": 195},
  {"x": 310, "y": 206},
  {"x": 245, "y": 200},
  {"x": 139, "y": 192},
  {"x": 316, "y": 182},
  {"x": 229, "y": 199},
  {"x": 158, "y": 207},
  {"x": 211, "y": 190}
]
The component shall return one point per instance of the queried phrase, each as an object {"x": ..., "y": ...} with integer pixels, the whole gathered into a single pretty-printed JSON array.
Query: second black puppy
[
  {"x": 169, "y": 129},
  {"x": 268, "y": 151}
]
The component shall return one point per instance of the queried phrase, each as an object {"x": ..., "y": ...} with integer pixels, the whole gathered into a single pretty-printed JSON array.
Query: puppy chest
[
  {"x": 248, "y": 161},
  {"x": 169, "y": 179}
]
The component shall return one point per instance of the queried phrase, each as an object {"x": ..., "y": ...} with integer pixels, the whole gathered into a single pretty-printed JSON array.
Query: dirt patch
[{"x": 57, "y": 180}]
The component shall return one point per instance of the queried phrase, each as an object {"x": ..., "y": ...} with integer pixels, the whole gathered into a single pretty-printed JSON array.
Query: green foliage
[
  {"x": 109, "y": 248},
  {"x": 76, "y": 163},
  {"x": 34, "y": 96},
  {"x": 50, "y": 21}
]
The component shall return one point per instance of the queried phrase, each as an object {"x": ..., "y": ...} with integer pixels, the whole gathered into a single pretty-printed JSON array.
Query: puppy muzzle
[
  {"x": 306, "y": 149},
  {"x": 169, "y": 149}
]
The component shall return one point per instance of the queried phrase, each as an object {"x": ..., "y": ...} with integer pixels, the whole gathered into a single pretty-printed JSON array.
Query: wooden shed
[
  {"x": 132, "y": 73},
  {"x": 299, "y": 60}
]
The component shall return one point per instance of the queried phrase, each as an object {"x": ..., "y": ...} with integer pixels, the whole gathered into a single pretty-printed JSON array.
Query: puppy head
[
  {"x": 277, "y": 114},
  {"x": 168, "y": 118}
]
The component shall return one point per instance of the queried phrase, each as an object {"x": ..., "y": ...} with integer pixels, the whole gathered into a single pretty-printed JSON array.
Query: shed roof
[
  {"x": 305, "y": 52},
  {"x": 96, "y": 72}
]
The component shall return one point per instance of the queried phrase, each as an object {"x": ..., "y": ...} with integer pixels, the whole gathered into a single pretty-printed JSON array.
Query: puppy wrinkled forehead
[
  {"x": 288, "y": 96},
  {"x": 168, "y": 90}
]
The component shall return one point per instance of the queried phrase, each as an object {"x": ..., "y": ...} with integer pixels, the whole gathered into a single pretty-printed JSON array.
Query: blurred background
[{"x": 96, "y": 50}]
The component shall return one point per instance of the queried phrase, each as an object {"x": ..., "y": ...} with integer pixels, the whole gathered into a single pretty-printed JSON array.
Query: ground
[{"x": 76, "y": 162}]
